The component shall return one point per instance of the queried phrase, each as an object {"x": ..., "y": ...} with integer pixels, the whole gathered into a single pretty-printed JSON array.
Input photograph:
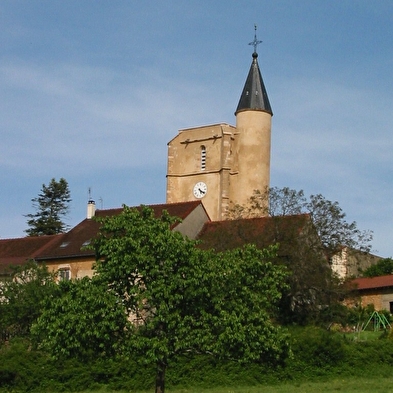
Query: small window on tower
[{"x": 203, "y": 158}]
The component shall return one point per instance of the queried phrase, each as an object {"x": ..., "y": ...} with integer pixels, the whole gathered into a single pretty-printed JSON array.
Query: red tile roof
[
  {"x": 73, "y": 243},
  {"x": 261, "y": 231},
  {"x": 180, "y": 209},
  {"x": 373, "y": 282},
  {"x": 18, "y": 251}
]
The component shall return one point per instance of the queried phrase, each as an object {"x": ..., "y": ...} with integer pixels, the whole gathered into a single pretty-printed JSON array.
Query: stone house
[
  {"x": 377, "y": 291},
  {"x": 349, "y": 263}
]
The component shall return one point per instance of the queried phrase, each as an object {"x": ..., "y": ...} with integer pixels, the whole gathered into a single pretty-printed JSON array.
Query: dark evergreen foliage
[{"x": 52, "y": 205}]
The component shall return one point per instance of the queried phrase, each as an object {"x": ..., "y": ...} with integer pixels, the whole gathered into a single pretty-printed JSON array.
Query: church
[
  {"x": 221, "y": 164},
  {"x": 210, "y": 169}
]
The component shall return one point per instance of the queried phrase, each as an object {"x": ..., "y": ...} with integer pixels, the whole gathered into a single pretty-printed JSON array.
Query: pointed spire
[{"x": 254, "y": 95}]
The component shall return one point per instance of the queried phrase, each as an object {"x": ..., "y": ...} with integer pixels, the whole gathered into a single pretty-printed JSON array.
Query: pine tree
[{"x": 52, "y": 205}]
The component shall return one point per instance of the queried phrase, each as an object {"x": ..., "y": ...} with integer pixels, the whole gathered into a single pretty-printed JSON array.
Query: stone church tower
[{"x": 220, "y": 164}]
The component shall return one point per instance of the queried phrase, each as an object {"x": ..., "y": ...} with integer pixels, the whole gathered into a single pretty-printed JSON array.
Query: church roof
[
  {"x": 261, "y": 231},
  {"x": 254, "y": 95}
]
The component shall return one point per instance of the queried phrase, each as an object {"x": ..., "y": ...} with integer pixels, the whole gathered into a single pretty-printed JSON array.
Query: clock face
[{"x": 200, "y": 190}]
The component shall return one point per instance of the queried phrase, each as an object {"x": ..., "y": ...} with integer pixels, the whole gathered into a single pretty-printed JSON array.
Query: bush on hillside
[
  {"x": 316, "y": 353},
  {"x": 318, "y": 347}
]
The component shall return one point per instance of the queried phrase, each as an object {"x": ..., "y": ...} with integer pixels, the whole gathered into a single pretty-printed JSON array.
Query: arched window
[{"x": 203, "y": 158}]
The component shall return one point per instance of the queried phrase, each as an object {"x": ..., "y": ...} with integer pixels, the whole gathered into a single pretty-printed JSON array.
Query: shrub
[{"x": 318, "y": 347}]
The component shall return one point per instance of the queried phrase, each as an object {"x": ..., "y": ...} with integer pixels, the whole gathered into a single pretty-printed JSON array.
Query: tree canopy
[
  {"x": 381, "y": 268},
  {"x": 20, "y": 298},
  {"x": 52, "y": 206},
  {"x": 80, "y": 320},
  {"x": 179, "y": 299},
  {"x": 306, "y": 251},
  {"x": 328, "y": 218}
]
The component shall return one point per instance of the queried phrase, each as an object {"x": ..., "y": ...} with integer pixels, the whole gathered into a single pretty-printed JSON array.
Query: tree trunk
[{"x": 160, "y": 377}]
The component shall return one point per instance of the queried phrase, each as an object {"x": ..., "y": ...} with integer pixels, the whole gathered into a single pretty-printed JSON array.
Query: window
[
  {"x": 64, "y": 274},
  {"x": 203, "y": 158},
  {"x": 86, "y": 243}
]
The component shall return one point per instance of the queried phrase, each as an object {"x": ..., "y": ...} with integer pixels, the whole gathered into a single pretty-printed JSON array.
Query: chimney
[{"x": 91, "y": 209}]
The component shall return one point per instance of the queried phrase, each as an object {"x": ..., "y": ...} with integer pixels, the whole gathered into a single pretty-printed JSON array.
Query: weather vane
[{"x": 255, "y": 42}]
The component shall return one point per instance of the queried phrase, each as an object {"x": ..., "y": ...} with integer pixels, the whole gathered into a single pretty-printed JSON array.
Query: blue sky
[{"x": 92, "y": 91}]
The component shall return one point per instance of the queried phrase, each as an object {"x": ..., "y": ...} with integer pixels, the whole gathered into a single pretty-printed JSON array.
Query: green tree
[
  {"x": 20, "y": 298},
  {"x": 381, "y": 268},
  {"x": 52, "y": 206},
  {"x": 184, "y": 300},
  {"x": 81, "y": 320},
  {"x": 307, "y": 250},
  {"x": 328, "y": 218}
]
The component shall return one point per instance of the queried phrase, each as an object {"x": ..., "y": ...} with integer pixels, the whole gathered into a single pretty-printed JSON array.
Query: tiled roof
[
  {"x": 18, "y": 251},
  {"x": 373, "y": 282},
  {"x": 71, "y": 244},
  {"x": 74, "y": 242},
  {"x": 179, "y": 209},
  {"x": 261, "y": 231}
]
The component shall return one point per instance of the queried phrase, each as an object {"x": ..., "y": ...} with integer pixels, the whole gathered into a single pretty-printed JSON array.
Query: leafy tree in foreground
[
  {"x": 20, "y": 298},
  {"x": 381, "y": 268},
  {"x": 52, "y": 205},
  {"x": 81, "y": 320},
  {"x": 184, "y": 300}
]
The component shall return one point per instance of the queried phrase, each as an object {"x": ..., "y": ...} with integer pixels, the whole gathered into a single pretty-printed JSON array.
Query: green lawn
[
  {"x": 340, "y": 385},
  {"x": 344, "y": 385},
  {"x": 363, "y": 336}
]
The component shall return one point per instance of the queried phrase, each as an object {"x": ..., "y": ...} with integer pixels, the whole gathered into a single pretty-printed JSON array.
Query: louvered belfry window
[{"x": 203, "y": 158}]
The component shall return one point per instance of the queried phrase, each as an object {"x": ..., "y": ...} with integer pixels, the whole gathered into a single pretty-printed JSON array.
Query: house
[
  {"x": 16, "y": 252},
  {"x": 351, "y": 263},
  {"x": 377, "y": 291},
  {"x": 70, "y": 255}
]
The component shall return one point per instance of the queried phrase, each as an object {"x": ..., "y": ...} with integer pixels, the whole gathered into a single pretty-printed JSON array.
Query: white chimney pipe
[{"x": 91, "y": 209}]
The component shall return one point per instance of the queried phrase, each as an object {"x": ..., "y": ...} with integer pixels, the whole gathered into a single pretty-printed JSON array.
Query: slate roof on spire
[{"x": 254, "y": 95}]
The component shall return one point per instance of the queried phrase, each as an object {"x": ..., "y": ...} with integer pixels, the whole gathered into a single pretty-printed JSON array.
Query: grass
[
  {"x": 345, "y": 385},
  {"x": 333, "y": 386},
  {"x": 323, "y": 362},
  {"x": 366, "y": 335}
]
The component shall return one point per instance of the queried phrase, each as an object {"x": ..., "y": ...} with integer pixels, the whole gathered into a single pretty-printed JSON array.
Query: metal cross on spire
[{"x": 255, "y": 42}]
